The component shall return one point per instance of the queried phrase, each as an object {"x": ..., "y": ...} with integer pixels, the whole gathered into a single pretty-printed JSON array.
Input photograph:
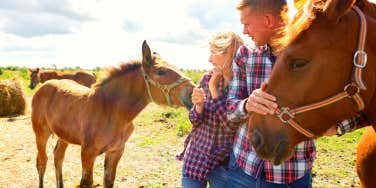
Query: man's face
[{"x": 254, "y": 26}]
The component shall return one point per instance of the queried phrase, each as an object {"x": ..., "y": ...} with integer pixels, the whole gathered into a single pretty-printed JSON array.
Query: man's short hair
[{"x": 273, "y": 6}]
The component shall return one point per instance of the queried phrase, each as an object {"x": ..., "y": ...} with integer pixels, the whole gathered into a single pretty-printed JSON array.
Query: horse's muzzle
[
  {"x": 186, "y": 98},
  {"x": 275, "y": 151}
]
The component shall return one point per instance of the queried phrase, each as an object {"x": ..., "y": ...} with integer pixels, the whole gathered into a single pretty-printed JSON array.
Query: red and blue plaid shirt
[
  {"x": 251, "y": 67},
  {"x": 212, "y": 135}
]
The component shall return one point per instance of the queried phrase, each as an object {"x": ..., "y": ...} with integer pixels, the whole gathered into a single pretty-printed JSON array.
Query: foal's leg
[
  {"x": 87, "y": 159},
  {"x": 110, "y": 163},
  {"x": 41, "y": 138},
  {"x": 112, "y": 159},
  {"x": 59, "y": 153}
]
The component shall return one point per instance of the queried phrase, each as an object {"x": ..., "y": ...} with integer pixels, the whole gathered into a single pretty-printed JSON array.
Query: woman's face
[{"x": 219, "y": 60}]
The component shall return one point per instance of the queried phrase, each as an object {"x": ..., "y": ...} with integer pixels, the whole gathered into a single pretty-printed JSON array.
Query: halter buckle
[
  {"x": 285, "y": 111},
  {"x": 356, "y": 58}
]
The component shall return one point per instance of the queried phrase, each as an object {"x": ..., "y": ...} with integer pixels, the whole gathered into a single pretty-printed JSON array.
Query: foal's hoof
[{"x": 87, "y": 186}]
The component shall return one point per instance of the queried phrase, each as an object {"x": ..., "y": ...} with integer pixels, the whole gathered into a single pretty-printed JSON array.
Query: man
[{"x": 261, "y": 20}]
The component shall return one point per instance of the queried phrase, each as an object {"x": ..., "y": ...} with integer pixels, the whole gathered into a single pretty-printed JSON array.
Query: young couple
[{"x": 218, "y": 150}]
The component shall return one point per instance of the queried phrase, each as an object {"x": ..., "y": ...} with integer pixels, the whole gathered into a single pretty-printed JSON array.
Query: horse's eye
[
  {"x": 296, "y": 64},
  {"x": 161, "y": 72}
]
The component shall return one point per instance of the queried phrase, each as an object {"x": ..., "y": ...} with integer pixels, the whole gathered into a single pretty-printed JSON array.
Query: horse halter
[
  {"x": 351, "y": 90},
  {"x": 164, "y": 87}
]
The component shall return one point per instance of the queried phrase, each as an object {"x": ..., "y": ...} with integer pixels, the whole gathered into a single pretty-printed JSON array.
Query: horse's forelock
[{"x": 300, "y": 22}]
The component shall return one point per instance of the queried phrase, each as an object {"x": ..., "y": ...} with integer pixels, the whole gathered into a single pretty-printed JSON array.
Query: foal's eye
[
  {"x": 161, "y": 72},
  {"x": 296, "y": 64}
]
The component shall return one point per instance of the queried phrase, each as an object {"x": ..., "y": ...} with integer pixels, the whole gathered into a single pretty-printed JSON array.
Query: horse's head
[
  {"x": 314, "y": 64},
  {"x": 34, "y": 77},
  {"x": 164, "y": 83}
]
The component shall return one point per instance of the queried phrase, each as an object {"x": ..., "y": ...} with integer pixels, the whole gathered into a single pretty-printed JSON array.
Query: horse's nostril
[{"x": 257, "y": 140}]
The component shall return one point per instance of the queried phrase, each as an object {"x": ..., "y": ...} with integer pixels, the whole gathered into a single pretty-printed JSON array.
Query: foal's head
[{"x": 164, "y": 83}]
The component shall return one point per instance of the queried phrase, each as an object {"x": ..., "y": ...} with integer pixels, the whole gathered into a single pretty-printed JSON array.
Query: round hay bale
[{"x": 12, "y": 97}]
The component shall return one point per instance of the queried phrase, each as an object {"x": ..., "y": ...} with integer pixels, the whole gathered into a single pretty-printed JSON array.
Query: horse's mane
[
  {"x": 304, "y": 18},
  {"x": 366, "y": 6},
  {"x": 123, "y": 68}
]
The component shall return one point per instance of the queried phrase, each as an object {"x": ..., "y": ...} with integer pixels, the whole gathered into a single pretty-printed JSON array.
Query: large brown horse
[
  {"x": 100, "y": 118},
  {"x": 321, "y": 61},
  {"x": 82, "y": 77}
]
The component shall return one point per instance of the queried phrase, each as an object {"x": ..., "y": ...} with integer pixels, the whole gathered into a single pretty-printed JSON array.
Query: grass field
[{"x": 149, "y": 158}]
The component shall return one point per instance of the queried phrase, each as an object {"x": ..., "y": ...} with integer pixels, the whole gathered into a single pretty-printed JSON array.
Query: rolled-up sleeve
[{"x": 238, "y": 87}]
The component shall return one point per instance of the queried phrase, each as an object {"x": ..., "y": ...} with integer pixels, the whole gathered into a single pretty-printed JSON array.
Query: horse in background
[
  {"x": 82, "y": 77},
  {"x": 100, "y": 118},
  {"x": 325, "y": 72}
]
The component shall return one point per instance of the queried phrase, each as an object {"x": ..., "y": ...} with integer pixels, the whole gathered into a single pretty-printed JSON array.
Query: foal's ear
[
  {"x": 335, "y": 9},
  {"x": 147, "y": 59}
]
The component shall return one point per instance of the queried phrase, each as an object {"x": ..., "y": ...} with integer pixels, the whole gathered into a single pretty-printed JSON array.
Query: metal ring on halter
[
  {"x": 166, "y": 88},
  {"x": 285, "y": 110},
  {"x": 364, "y": 54},
  {"x": 351, "y": 94}
]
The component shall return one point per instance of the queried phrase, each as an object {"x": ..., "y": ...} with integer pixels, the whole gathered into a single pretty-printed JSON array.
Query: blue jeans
[
  {"x": 217, "y": 178},
  {"x": 237, "y": 178}
]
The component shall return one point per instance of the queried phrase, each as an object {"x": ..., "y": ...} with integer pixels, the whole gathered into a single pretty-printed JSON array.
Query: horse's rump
[{"x": 61, "y": 102}]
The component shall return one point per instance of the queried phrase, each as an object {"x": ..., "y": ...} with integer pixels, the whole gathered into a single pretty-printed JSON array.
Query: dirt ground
[
  {"x": 148, "y": 160},
  {"x": 145, "y": 162}
]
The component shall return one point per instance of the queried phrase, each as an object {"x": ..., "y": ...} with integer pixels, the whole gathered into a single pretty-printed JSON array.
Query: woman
[{"x": 207, "y": 147}]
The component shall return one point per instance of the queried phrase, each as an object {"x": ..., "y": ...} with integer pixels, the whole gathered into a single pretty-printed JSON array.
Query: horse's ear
[
  {"x": 335, "y": 9},
  {"x": 147, "y": 59},
  {"x": 37, "y": 69}
]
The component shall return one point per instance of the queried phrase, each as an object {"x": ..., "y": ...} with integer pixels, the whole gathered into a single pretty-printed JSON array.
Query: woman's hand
[
  {"x": 198, "y": 98},
  {"x": 261, "y": 102},
  {"x": 216, "y": 76}
]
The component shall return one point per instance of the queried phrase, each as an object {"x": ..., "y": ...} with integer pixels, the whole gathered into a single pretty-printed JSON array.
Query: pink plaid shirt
[
  {"x": 212, "y": 135},
  {"x": 251, "y": 67}
]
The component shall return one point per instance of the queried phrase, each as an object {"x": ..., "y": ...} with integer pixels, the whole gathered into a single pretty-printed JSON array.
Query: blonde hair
[{"x": 226, "y": 43}]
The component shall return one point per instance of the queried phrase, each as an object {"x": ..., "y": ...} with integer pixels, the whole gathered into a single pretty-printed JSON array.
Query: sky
[{"x": 101, "y": 33}]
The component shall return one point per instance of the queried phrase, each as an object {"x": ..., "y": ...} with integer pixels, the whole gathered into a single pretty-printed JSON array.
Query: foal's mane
[
  {"x": 114, "y": 72},
  {"x": 304, "y": 18}
]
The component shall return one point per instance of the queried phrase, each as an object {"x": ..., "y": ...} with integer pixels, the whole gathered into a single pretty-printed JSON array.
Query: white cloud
[{"x": 91, "y": 33}]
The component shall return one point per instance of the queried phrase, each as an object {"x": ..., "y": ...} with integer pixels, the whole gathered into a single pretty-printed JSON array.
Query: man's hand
[{"x": 261, "y": 102}]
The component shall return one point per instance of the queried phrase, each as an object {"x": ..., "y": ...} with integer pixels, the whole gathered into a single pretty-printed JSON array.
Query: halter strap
[
  {"x": 351, "y": 90},
  {"x": 360, "y": 56},
  {"x": 166, "y": 88}
]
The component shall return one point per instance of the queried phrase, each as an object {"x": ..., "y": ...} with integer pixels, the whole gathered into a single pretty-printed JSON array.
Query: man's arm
[{"x": 238, "y": 93}]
